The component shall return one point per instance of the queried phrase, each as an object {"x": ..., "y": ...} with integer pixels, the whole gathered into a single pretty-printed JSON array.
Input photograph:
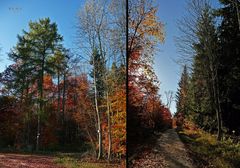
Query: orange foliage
[
  {"x": 48, "y": 83},
  {"x": 118, "y": 122}
]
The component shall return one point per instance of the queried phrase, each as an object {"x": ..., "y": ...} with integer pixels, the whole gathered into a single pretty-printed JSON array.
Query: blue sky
[
  {"x": 167, "y": 70},
  {"x": 63, "y": 12}
]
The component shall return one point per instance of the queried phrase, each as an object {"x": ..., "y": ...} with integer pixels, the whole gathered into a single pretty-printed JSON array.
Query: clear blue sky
[
  {"x": 63, "y": 12},
  {"x": 167, "y": 70}
]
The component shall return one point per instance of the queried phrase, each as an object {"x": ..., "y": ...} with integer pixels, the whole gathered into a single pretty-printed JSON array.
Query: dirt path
[
  {"x": 167, "y": 152},
  {"x": 26, "y": 161}
]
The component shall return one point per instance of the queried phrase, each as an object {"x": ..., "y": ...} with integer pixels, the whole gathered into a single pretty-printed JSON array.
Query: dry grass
[
  {"x": 70, "y": 162},
  {"x": 208, "y": 152}
]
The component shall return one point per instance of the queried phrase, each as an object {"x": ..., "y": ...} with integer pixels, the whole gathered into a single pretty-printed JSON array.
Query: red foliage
[
  {"x": 9, "y": 120},
  {"x": 48, "y": 83},
  {"x": 48, "y": 136}
]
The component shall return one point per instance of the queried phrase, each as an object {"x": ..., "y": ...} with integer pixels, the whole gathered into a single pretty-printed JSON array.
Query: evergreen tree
[
  {"x": 182, "y": 103},
  {"x": 206, "y": 50},
  {"x": 229, "y": 70},
  {"x": 33, "y": 53},
  {"x": 99, "y": 66},
  {"x": 200, "y": 108},
  {"x": 203, "y": 93}
]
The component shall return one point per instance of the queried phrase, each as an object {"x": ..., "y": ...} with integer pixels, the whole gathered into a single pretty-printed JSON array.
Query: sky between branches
[
  {"x": 166, "y": 68},
  {"x": 16, "y": 14}
]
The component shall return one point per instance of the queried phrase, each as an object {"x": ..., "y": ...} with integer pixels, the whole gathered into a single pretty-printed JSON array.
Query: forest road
[
  {"x": 167, "y": 152},
  {"x": 26, "y": 161},
  {"x": 173, "y": 150}
]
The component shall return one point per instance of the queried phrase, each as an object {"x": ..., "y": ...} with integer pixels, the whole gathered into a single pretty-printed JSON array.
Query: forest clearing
[{"x": 59, "y": 160}]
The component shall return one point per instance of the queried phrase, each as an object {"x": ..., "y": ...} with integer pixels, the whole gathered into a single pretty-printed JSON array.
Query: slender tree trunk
[
  {"x": 22, "y": 109},
  {"x": 28, "y": 117},
  {"x": 219, "y": 135},
  {"x": 38, "y": 132},
  {"x": 98, "y": 115},
  {"x": 28, "y": 129},
  {"x": 58, "y": 84},
  {"x": 64, "y": 95},
  {"x": 216, "y": 98},
  {"x": 109, "y": 129},
  {"x": 40, "y": 111},
  {"x": 63, "y": 108}
]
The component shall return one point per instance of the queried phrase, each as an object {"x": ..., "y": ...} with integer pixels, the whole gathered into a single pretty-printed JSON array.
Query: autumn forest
[
  {"x": 204, "y": 131},
  {"x": 54, "y": 99},
  {"x": 113, "y": 84}
]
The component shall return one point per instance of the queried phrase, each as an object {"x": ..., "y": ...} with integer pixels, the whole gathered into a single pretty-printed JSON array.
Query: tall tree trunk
[
  {"x": 40, "y": 111},
  {"x": 98, "y": 115},
  {"x": 213, "y": 70},
  {"x": 38, "y": 131},
  {"x": 63, "y": 107},
  {"x": 58, "y": 84},
  {"x": 109, "y": 129},
  {"x": 64, "y": 95},
  {"x": 219, "y": 135},
  {"x": 28, "y": 117}
]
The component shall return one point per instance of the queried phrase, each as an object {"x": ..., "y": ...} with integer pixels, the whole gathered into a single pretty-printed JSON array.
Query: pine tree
[
  {"x": 33, "y": 53},
  {"x": 181, "y": 97},
  {"x": 182, "y": 92}
]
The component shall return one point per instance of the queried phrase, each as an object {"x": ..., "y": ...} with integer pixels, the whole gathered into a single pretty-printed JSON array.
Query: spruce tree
[
  {"x": 229, "y": 69},
  {"x": 181, "y": 97}
]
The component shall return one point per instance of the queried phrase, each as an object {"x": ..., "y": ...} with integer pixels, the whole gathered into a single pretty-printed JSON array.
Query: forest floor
[
  {"x": 10, "y": 160},
  {"x": 27, "y": 161},
  {"x": 207, "y": 152},
  {"x": 164, "y": 150}
]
